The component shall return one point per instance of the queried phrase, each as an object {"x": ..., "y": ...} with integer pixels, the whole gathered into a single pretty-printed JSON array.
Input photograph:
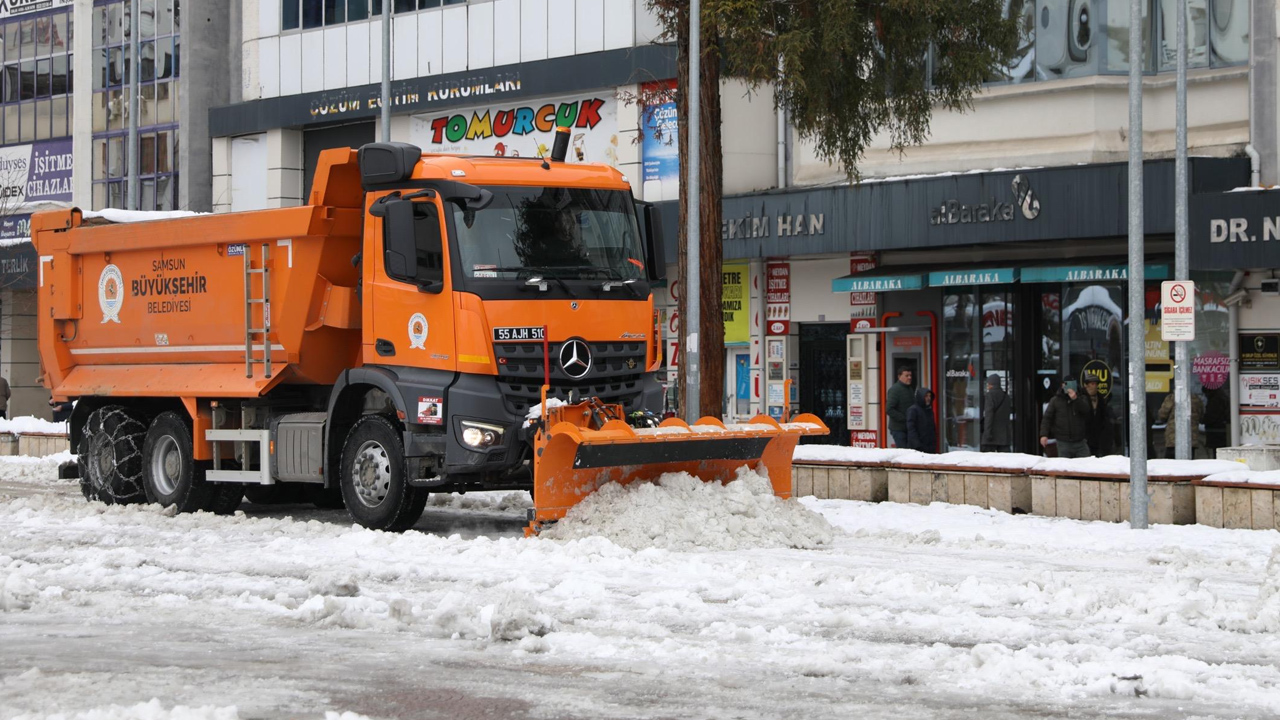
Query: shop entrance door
[
  {"x": 737, "y": 384},
  {"x": 823, "y": 375},
  {"x": 907, "y": 349}
]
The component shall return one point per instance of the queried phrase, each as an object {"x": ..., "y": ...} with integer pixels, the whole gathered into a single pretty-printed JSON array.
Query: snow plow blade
[{"x": 583, "y": 447}]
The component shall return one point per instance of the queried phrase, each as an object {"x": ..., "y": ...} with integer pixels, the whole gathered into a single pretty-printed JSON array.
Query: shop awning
[
  {"x": 877, "y": 283},
  {"x": 1091, "y": 273},
  {"x": 984, "y": 276}
]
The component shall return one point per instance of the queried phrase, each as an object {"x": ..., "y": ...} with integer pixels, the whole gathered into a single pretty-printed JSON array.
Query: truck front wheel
[
  {"x": 111, "y": 456},
  {"x": 375, "y": 486}
]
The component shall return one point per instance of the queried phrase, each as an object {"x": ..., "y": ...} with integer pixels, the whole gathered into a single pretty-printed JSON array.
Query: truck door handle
[{"x": 385, "y": 348}]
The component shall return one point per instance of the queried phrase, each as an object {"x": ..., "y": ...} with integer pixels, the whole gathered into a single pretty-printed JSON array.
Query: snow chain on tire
[{"x": 111, "y": 456}]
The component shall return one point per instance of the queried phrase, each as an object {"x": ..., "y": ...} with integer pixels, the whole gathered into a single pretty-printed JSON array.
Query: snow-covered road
[{"x": 909, "y": 612}]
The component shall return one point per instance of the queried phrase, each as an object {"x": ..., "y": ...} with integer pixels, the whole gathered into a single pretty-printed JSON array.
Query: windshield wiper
[
  {"x": 614, "y": 280},
  {"x": 537, "y": 274}
]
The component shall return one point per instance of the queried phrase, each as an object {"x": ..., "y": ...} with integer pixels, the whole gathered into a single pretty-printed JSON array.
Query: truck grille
[{"x": 616, "y": 371}]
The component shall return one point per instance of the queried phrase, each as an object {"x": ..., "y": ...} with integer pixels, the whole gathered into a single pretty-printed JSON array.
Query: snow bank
[
  {"x": 1110, "y": 465},
  {"x": 1246, "y": 477},
  {"x": 148, "y": 711},
  {"x": 839, "y": 453},
  {"x": 127, "y": 216},
  {"x": 36, "y": 470},
  {"x": 27, "y": 425},
  {"x": 681, "y": 512}
]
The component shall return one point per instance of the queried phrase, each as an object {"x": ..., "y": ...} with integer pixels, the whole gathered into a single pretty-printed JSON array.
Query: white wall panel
[
  {"x": 249, "y": 20},
  {"x": 290, "y": 64},
  {"x": 268, "y": 18},
  {"x": 335, "y": 58},
  {"x": 269, "y": 66},
  {"x": 375, "y": 51},
  {"x": 506, "y": 32},
  {"x": 533, "y": 30},
  {"x": 250, "y": 69},
  {"x": 619, "y": 24},
  {"x": 648, "y": 29},
  {"x": 455, "y": 39},
  {"x": 590, "y": 26},
  {"x": 249, "y": 172},
  {"x": 480, "y": 36},
  {"x": 430, "y": 43},
  {"x": 357, "y": 54},
  {"x": 560, "y": 28},
  {"x": 312, "y": 60},
  {"x": 404, "y": 47}
]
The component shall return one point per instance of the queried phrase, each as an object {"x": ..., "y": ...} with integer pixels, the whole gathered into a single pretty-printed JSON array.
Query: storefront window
[
  {"x": 1197, "y": 33},
  {"x": 158, "y": 94},
  {"x": 37, "y": 66},
  {"x": 960, "y": 372}
]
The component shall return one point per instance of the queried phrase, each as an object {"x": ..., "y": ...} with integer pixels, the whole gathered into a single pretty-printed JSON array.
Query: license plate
[{"x": 516, "y": 334}]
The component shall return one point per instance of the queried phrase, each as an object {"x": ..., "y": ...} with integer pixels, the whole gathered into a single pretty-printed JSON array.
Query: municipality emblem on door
[
  {"x": 418, "y": 331},
  {"x": 110, "y": 293}
]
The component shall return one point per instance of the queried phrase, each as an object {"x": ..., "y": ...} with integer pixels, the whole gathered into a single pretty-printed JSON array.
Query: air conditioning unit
[{"x": 1270, "y": 287}]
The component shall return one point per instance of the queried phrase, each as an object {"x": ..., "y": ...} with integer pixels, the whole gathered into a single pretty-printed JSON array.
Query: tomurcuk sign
[{"x": 1235, "y": 230}]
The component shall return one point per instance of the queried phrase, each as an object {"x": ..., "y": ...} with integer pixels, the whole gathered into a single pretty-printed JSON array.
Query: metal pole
[
  {"x": 387, "y": 71},
  {"x": 692, "y": 286},
  {"x": 131, "y": 203},
  {"x": 1137, "y": 305},
  {"x": 1181, "y": 366}
]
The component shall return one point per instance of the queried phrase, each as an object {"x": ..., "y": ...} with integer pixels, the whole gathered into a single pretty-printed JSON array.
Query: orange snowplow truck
[{"x": 393, "y": 337}]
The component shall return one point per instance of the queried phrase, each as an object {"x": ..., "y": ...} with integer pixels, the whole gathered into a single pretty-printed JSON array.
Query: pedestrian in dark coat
[
  {"x": 1066, "y": 421},
  {"x": 897, "y": 403},
  {"x": 997, "y": 422},
  {"x": 1101, "y": 428},
  {"x": 922, "y": 431}
]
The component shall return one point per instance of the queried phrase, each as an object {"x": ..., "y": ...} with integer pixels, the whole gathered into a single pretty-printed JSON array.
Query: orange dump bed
[{"x": 158, "y": 308}]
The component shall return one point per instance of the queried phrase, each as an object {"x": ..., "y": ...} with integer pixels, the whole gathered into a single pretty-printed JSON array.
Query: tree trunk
[{"x": 711, "y": 334}]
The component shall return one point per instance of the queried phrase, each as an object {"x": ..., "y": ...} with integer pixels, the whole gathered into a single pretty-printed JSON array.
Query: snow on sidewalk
[
  {"x": 905, "y": 604},
  {"x": 1110, "y": 465}
]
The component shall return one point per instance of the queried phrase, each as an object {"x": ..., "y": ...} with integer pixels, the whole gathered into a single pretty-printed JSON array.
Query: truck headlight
[{"x": 480, "y": 435}]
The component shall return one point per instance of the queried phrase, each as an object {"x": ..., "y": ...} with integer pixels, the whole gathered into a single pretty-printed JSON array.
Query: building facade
[{"x": 65, "y": 142}]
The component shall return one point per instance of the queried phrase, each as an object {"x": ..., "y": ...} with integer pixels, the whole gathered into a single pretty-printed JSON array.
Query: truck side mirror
[
  {"x": 412, "y": 246},
  {"x": 399, "y": 246},
  {"x": 651, "y": 225}
]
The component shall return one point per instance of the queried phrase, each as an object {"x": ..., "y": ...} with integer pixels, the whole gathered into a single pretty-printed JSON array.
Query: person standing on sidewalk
[
  {"x": 898, "y": 402},
  {"x": 996, "y": 417},
  {"x": 4, "y": 398},
  {"x": 1066, "y": 421},
  {"x": 922, "y": 430},
  {"x": 1101, "y": 427}
]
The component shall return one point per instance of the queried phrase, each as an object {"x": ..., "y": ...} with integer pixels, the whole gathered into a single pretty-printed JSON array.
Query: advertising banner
[
  {"x": 524, "y": 129},
  {"x": 1260, "y": 390},
  {"x": 735, "y": 303},
  {"x": 777, "y": 298},
  {"x": 36, "y": 173},
  {"x": 659, "y": 147}
]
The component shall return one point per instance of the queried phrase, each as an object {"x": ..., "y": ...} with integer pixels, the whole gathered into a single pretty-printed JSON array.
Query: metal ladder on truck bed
[{"x": 262, "y": 438}]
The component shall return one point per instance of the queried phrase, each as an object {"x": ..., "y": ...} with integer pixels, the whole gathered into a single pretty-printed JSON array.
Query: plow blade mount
[{"x": 582, "y": 447}]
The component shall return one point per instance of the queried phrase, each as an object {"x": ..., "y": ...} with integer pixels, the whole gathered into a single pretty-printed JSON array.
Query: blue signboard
[
  {"x": 988, "y": 276},
  {"x": 1090, "y": 273},
  {"x": 883, "y": 283}
]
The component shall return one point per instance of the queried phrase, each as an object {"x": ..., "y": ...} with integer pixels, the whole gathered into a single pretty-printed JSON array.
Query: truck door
[{"x": 408, "y": 303}]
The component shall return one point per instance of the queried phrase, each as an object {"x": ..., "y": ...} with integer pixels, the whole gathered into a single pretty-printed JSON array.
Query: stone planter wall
[
  {"x": 839, "y": 482},
  {"x": 38, "y": 445},
  {"x": 1256, "y": 508},
  {"x": 8, "y": 444},
  {"x": 1107, "y": 499},
  {"x": 997, "y": 491}
]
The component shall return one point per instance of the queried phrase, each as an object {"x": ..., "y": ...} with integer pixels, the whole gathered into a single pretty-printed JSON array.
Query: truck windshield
[{"x": 564, "y": 232}]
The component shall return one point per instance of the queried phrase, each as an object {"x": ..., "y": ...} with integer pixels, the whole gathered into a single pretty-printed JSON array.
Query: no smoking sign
[{"x": 1177, "y": 310}]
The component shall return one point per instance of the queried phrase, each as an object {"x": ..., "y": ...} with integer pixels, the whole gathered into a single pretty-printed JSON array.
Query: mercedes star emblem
[{"x": 575, "y": 359}]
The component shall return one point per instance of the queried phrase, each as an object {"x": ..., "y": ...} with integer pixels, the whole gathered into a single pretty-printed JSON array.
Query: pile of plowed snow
[
  {"x": 681, "y": 512},
  {"x": 28, "y": 469}
]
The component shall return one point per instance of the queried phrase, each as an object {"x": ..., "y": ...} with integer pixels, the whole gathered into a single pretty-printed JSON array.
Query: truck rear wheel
[
  {"x": 172, "y": 477},
  {"x": 375, "y": 485},
  {"x": 111, "y": 456}
]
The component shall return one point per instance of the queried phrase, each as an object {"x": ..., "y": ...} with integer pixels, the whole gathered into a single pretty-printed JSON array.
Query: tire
[
  {"x": 170, "y": 473},
  {"x": 226, "y": 498},
  {"x": 326, "y": 498},
  {"x": 374, "y": 483},
  {"x": 111, "y": 456},
  {"x": 279, "y": 494}
]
